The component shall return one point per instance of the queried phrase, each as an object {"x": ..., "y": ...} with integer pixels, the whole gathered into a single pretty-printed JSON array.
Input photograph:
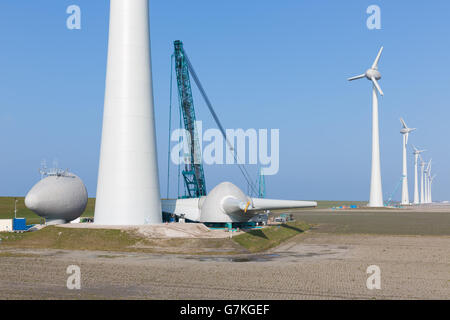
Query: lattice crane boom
[{"x": 193, "y": 173}]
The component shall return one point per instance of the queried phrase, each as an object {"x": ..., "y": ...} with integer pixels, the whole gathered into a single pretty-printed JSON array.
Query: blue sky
[{"x": 264, "y": 64}]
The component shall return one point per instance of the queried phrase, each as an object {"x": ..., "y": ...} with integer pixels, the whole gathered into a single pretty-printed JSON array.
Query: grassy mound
[
  {"x": 269, "y": 237},
  {"x": 53, "y": 237}
]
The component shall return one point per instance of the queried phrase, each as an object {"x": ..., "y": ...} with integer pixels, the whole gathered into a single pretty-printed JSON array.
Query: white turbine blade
[
  {"x": 356, "y": 77},
  {"x": 234, "y": 205},
  {"x": 375, "y": 82},
  {"x": 429, "y": 165},
  {"x": 403, "y": 123},
  {"x": 406, "y": 137},
  {"x": 271, "y": 204},
  {"x": 375, "y": 63},
  {"x": 418, "y": 150}
]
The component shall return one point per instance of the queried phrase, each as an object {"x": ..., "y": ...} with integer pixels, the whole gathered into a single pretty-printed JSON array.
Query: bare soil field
[{"x": 411, "y": 248}]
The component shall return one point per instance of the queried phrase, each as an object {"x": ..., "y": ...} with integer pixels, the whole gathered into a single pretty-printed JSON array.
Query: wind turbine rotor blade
[
  {"x": 420, "y": 151},
  {"x": 375, "y": 63},
  {"x": 406, "y": 137},
  {"x": 403, "y": 123},
  {"x": 356, "y": 77},
  {"x": 375, "y": 82}
]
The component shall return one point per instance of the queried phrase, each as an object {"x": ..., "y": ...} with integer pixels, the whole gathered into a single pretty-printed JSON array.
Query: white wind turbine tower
[
  {"x": 422, "y": 180},
  {"x": 428, "y": 192},
  {"x": 427, "y": 170},
  {"x": 431, "y": 184},
  {"x": 376, "y": 193},
  {"x": 128, "y": 185},
  {"x": 416, "y": 153},
  {"x": 405, "y": 133}
]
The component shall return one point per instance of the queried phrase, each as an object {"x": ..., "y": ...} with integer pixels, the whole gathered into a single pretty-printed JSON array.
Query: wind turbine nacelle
[
  {"x": 406, "y": 130},
  {"x": 58, "y": 199},
  {"x": 225, "y": 203},
  {"x": 373, "y": 73}
]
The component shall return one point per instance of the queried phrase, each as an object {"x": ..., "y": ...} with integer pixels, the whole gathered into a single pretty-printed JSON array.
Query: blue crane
[{"x": 194, "y": 177}]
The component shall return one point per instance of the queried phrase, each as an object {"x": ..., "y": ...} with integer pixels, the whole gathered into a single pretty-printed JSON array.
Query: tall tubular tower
[{"x": 128, "y": 185}]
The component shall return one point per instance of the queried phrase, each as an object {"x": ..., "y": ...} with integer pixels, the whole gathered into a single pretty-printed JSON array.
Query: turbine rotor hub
[{"x": 373, "y": 73}]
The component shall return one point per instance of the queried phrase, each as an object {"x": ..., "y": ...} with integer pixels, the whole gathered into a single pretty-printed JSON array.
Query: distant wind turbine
[
  {"x": 431, "y": 184},
  {"x": 372, "y": 74},
  {"x": 405, "y": 133},
  {"x": 422, "y": 181},
  {"x": 427, "y": 181},
  {"x": 416, "y": 153}
]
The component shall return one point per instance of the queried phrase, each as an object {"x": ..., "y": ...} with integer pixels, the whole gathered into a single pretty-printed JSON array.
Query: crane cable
[{"x": 216, "y": 119}]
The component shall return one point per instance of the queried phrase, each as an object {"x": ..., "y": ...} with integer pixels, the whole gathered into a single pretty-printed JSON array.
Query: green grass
[
  {"x": 269, "y": 237},
  {"x": 387, "y": 221},
  {"x": 53, "y": 237},
  {"x": 6, "y": 254},
  {"x": 7, "y": 210}
]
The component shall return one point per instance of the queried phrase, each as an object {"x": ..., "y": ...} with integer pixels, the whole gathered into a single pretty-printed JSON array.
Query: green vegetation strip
[
  {"x": 7, "y": 254},
  {"x": 53, "y": 237},
  {"x": 269, "y": 237}
]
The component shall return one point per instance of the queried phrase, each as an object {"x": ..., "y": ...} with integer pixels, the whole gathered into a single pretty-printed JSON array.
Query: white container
[{"x": 6, "y": 225}]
